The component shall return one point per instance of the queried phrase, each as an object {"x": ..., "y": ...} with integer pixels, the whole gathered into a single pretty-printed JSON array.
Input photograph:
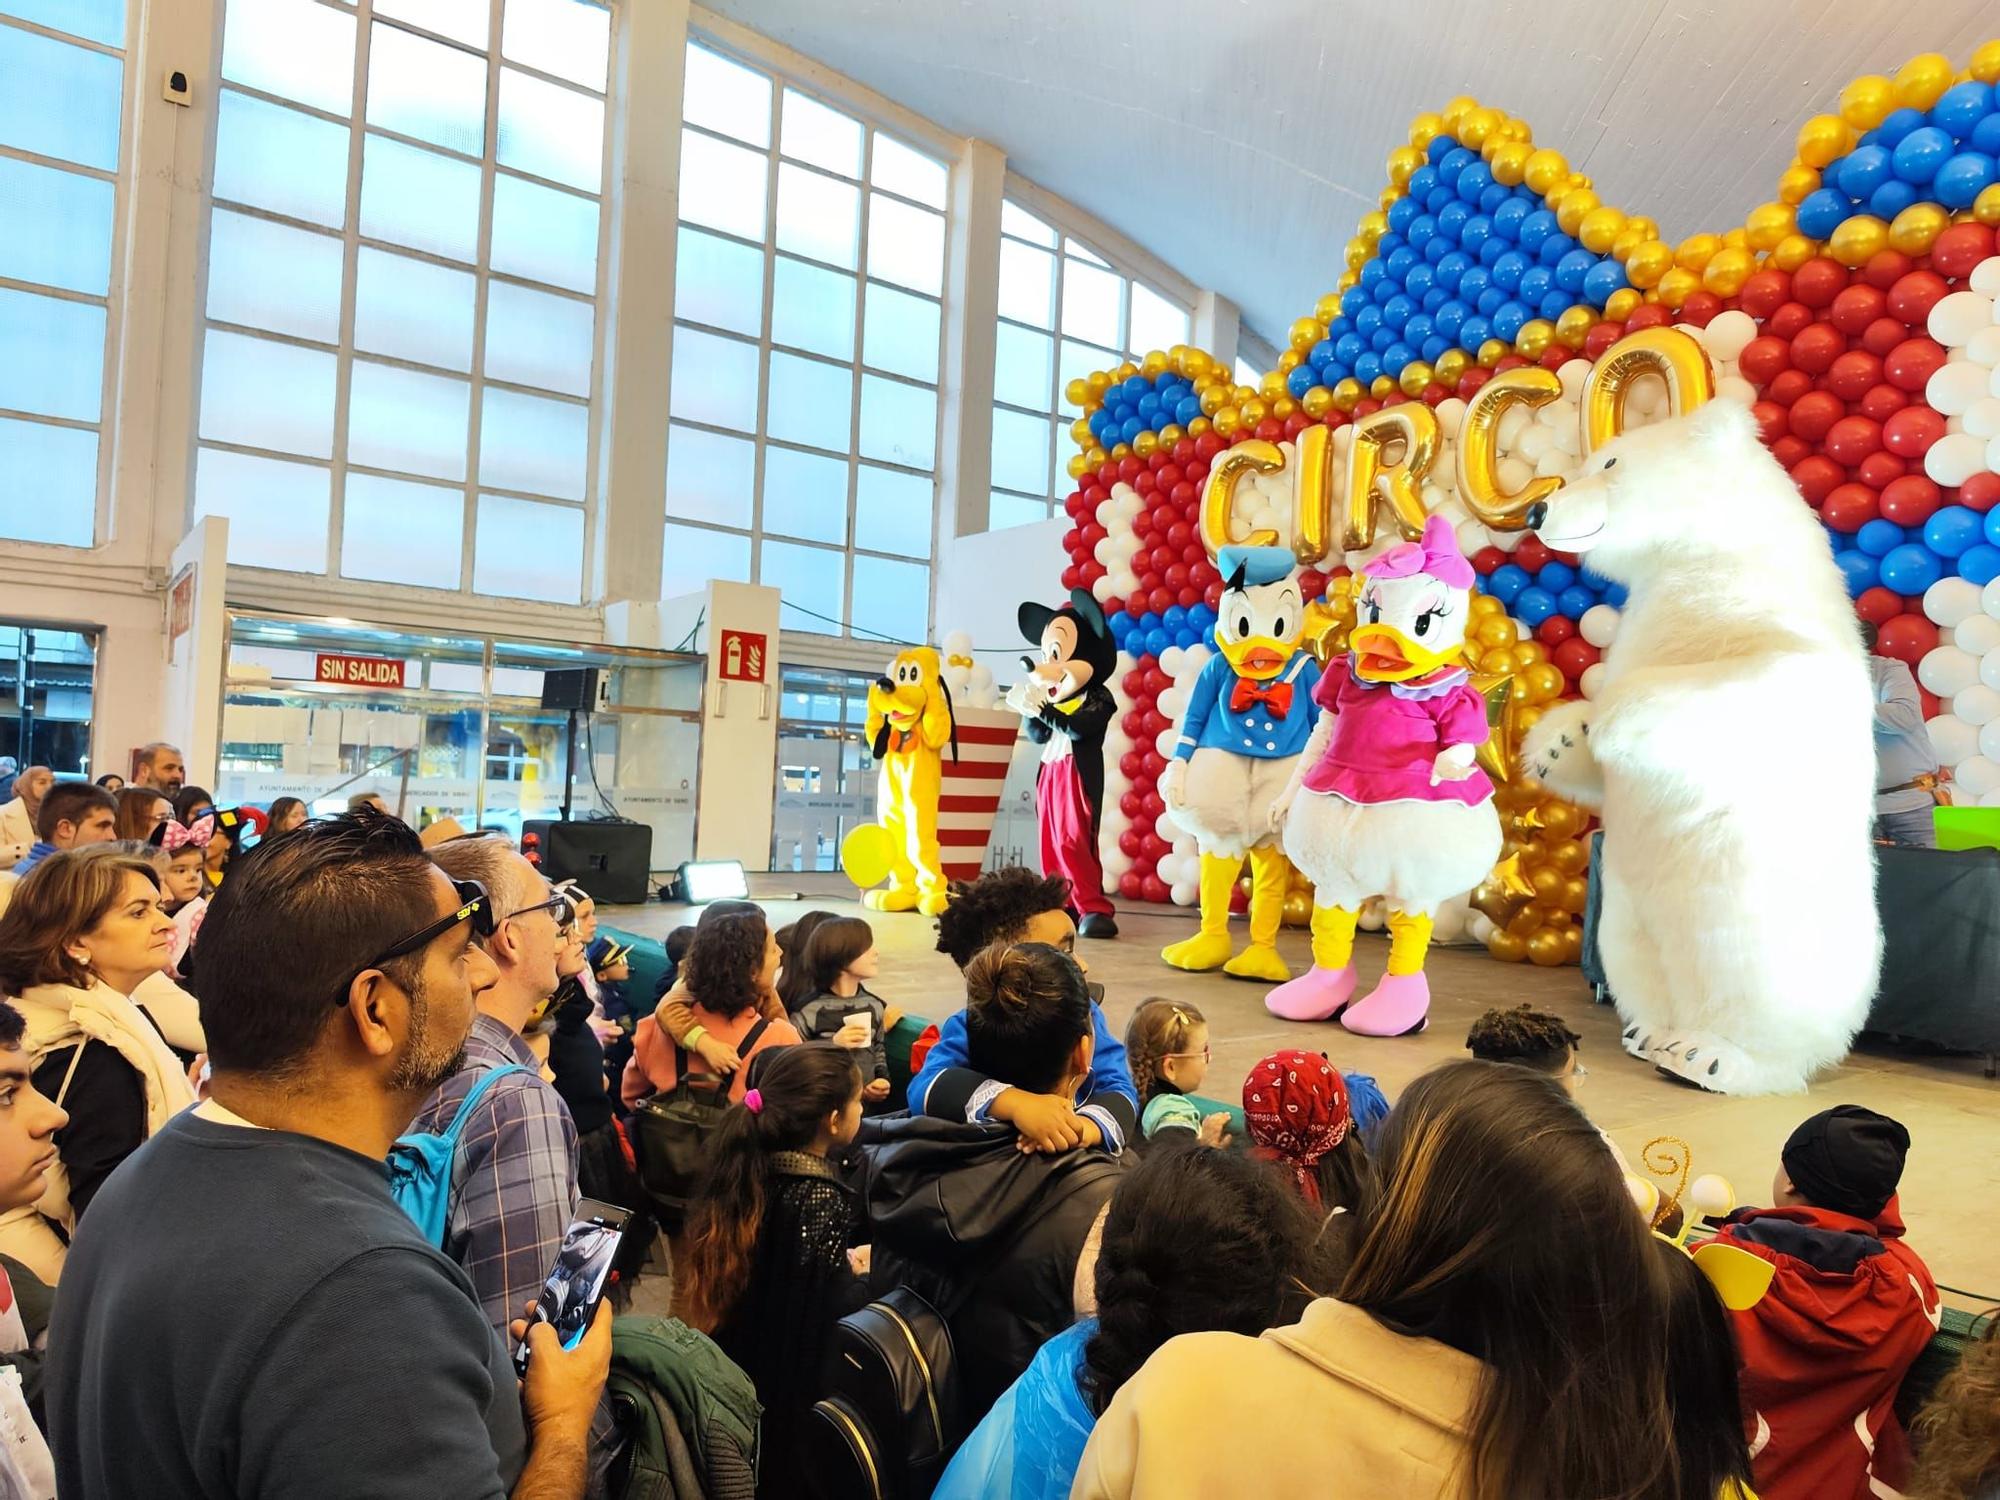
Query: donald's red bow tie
[{"x": 1275, "y": 696}]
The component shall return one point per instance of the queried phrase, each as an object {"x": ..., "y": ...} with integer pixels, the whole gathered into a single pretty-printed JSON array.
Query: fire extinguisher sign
[{"x": 740, "y": 656}]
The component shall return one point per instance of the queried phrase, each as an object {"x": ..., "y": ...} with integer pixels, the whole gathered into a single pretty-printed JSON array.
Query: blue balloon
[
  {"x": 1301, "y": 379},
  {"x": 1556, "y": 304},
  {"x": 1556, "y": 576},
  {"x": 1475, "y": 331},
  {"x": 1475, "y": 179},
  {"x": 1435, "y": 345},
  {"x": 1615, "y": 595},
  {"x": 1476, "y": 280},
  {"x": 1509, "y": 217},
  {"x": 1509, "y": 269},
  {"x": 1493, "y": 197},
  {"x": 1136, "y": 386},
  {"x": 1451, "y": 270},
  {"x": 1368, "y": 319},
  {"x": 1919, "y": 154},
  {"x": 1574, "y": 601},
  {"x": 1455, "y": 162},
  {"x": 1436, "y": 248},
  {"x": 1149, "y": 407},
  {"x": 1419, "y": 279},
  {"x": 1399, "y": 261},
  {"x": 1440, "y": 197},
  {"x": 1507, "y": 582},
  {"x": 1910, "y": 569},
  {"x": 1389, "y": 244},
  {"x": 1492, "y": 300},
  {"x": 1422, "y": 227},
  {"x": 1451, "y": 221},
  {"x": 1418, "y": 329},
  {"x": 1508, "y": 320},
  {"x": 1367, "y": 368},
  {"x": 1382, "y": 338},
  {"x": 1605, "y": 280},
  {"x": 1536, "y": 228},
  {"x": 1892, "y": 197},
  {"x": 1861, "y": 171},
  {"x": 1149, "y": 621},
  {"x": 1396, "y": 356},
  {"x": 1356, "y": 297},
  {"x": 1993, "y": 526},
  {"x": 1963, "y": 178},
  {"x": 1401, "y": 212},
  {"x": 1440, "y": 147},
  {"x": 1554, "y": 248},
  {"x": 1397, "y": 311},
  {"x": 1896, "y": 125},
  {"x": 1449, "y": 319},
  {"x": 1421, "y": 182},
  {"x": 1822, "y": 211},
  {"x": 1961, "y": 107},
  {"x": 1130, "y": 428},
  {"x": 1157, "y": 642},
  {"x": 1173, "y": 617},
  {"x": 1878, "y": 538},
  {"x": 1201, "y": 615},
  {"x": 1573, "y": 268},
  {"x": 1950, "y": 531},
  {"x": 1190, "y": 406},
  {"x": 1986, "y": 135},
  {"x": 1492, "y": 250},
  {"x": 1535, "y": 284},
  {"x": 1534, "y": 605},
  {"x": 1861, "y": 571},
  {"x": 1980, "y": 565}
]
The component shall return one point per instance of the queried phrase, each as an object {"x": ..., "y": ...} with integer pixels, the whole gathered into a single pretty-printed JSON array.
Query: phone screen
[{"x": 576, "y": 1282}]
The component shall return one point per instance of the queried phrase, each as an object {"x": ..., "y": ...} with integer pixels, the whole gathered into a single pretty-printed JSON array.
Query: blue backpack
[{"x": 420, "y": 1164}]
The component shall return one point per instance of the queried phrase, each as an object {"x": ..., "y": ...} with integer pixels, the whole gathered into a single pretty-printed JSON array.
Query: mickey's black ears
[
  {"x": 1034, "y": 619},
  {"x": 1090, "y": 612}
]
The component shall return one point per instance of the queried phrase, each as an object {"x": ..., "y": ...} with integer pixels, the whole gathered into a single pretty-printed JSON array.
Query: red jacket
[{"x": 1824, "y": 1352}]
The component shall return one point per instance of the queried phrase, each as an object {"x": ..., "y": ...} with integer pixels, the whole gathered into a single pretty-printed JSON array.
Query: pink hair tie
[{"x": 753, "y": 1100}]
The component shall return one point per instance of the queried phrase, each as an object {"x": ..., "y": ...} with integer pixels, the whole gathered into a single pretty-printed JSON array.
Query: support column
[
  {"x": 1217, "y": 325},
  {"x": 971, "y": 304}
]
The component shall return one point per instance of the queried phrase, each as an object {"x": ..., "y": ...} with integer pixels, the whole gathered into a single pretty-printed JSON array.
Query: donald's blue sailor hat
[{"x": 1248, "y": 567}]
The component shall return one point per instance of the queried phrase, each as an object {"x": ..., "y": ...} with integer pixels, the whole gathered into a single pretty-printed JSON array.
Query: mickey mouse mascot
[{"x": 1067, "y": 706}]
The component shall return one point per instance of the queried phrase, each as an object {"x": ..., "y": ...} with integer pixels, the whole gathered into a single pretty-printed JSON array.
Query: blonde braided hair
[{"x": 1158, "y": 1029}]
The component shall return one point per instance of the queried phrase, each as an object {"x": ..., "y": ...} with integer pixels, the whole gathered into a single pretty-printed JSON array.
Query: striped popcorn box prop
[{"x": 969, "y": 798}]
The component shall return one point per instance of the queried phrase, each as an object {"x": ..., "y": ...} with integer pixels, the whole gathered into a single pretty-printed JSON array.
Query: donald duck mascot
[
  {"x": 1387, "y": 800},
  {"x": 1248, "y": 718}
]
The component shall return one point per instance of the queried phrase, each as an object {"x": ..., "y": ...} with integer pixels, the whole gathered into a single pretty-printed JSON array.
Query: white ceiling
[{"x": 1239, "y": 140}]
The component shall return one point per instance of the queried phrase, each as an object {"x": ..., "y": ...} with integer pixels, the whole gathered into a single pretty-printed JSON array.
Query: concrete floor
[{"x": 1951, "y": 1188}]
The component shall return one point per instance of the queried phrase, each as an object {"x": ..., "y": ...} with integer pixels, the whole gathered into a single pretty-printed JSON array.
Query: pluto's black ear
[
  {"x": 1089, "y": 611},
  {"x": 1034, "y": 619}
]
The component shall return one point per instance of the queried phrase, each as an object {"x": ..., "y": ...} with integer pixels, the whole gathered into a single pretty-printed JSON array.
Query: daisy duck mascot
[
  {"x": 1387, "y": 800},
  {"x": 1248, "y": 718}
]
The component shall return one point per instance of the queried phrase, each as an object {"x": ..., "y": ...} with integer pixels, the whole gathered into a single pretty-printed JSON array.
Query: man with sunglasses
[{"x": 247, "y": 1312}]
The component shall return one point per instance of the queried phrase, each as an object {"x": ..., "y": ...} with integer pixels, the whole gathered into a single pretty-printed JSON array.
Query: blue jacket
[
  {"x": 1030, "y": 1445},
  {"x": 42, "y": 850},
  {"x": 1211, "y": 724},
  {"x": 1109, "y": 1075}
]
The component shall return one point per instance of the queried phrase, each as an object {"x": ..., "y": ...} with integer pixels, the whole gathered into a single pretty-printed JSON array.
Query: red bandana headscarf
[{"x": 1295, "y": 1104}]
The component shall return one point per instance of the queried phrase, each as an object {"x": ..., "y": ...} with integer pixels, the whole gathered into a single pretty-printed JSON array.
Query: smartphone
[{"x": 577, "y": 1280}]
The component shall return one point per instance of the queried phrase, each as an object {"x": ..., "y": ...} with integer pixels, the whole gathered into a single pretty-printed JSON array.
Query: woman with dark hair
[
  {"x": 79, "y": 938},
  {"x": 1506, "y": 1330},
  {"x": 1701, "y": 1379},
  {"x": 192, "y": 802},
  {"x": 767, "y": 1268},
  {"x": 286, "y": 813},
  {"x": 142, "y": 813},
  {"x": 1194, "y": 1240},
  {"x": 730, "y": 974},
  {"x": 112, "y": 782},
  {"x": 837, "y": 962}
]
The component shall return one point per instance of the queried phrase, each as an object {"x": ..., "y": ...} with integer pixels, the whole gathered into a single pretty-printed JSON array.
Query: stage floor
[{"x": 1951, "y": 1188}]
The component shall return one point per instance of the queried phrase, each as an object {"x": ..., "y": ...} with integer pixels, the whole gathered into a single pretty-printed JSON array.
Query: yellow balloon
[
  {"x": 1574, "y": 895},
  {"x": 1098, "y": 381},
  {"x": 1727, "y": 271},
  {"x": 867, "y": 854},
  {"x": 1528, "y": 718},
  {"x": 1452, "y": 364},
  {"x": 1298, "y": 908},
  {"x": 1530, "y": 653},
  {"x": 1622, "y": 303},
  {"x": 1213, "y": 400},
  {"x": 1284, "y": 407},
  {"x": 1198, "y": 426},
  {"x": 1667, "y": 352},
  {"x": 1080, "y": 432},
  {"x": 1496, "y": 631},
  {"x": 1486, "y": 607},
  {"x": 1572, "y": 941},
  {"x": 1496, "y": 659},
  {"x": 1985, "y": 64},
  {"x": 1456, "y": 109},
  {"x": 1079, "y": 465},
  {"x": 1327, "y": 308},
  {"x": 1677, "y": 286},
  {"x": 1510, "y": 162},
  {"x": 1146, "y": 444},
  {"x": 1571, "y": 856},
  {"x": 1288, "y": 361},
  {"x": 1796, "y": 182},
  {"x": 1561, "y": 819},
  {"x": 1825, "y": 138},
  {"x": 1857, "y": 239},
  {"x": 1227, "y": 420},
  {"x": 1544, "y": 169},
  {"x": 1077, "y": 393},
  {"x": 1914, "y": 229},
  {"x": 1506, "y": 947},
  {"x": 1121, "y": 450},
  {"x": 1381, "y": 387},
  {"x": 1477, "y": 125},
  {"x": 1199, "y": 363},
  {"x": 1866, "y": 102},
  {"x": 1254, "y": 411},
  {"x": 1599, "y": 229},
  {"x": 1793, "y": 251},
  {"x": 1096, "y": 457},
  {"x": 1424, "y": 129},
  {"x": 1986, "y": 207},
  {"x": 1921, "y": 80},
  {"x": 1548, "y": 883},
  {"x": 1574, "y": 325},
  {"x": 1535, "y": 337},
  {"x": 1415, "y": 378},
  {"x": 1576, "y": 204},
  {"x": 1305, "y": 333},
  {"x": 1347, "y": 393},
  {"x": 1170, "y": 434},
  {"x": 1543, "y": 681},
  {"x": 1317, "y": 402},
  {"x": 1767, "y": 224},
  {"x": 1545, "y": 948},
  {"x": 1735, "y": 239},
  {"x": 1125, "y": 371},
  {"x": 1154, "y": 364},
  {"x": 1402, "y": 162},
  {"x": 1272, "y": 386},
  {"x": 1649, "y": 262},
  {"x": 1493, "y": 351},
  {"x": 1696, "y": 251}
]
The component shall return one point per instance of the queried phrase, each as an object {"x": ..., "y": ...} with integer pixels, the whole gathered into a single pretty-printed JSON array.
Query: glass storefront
[
  {"x": 452, "y": 726},
  {"x": 826, "y": 776},
  {"x": 46, "y": 674}
]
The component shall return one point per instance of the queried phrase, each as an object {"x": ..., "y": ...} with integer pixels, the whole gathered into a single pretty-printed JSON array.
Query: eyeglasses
[
  {"x": 473, "y": 907},
  {"x": 1207, "y": 1054},
  {"x": 561, "y": 905}
]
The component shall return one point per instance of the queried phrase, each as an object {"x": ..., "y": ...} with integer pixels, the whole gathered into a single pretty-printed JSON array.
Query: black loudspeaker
[
  {"x": 573, "y": 688},
  {"x": 610, "y": 860}
]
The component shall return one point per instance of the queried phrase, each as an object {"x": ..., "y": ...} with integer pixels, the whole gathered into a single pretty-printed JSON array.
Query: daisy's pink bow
[{"x": 1437, "y": 556}]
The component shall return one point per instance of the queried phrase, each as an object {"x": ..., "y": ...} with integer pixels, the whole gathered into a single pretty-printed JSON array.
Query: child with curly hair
[{"x": 1530, "y": 1038}]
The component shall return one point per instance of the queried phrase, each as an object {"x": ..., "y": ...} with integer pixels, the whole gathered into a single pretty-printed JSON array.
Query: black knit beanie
[{"x": 1847, "y": 1159}]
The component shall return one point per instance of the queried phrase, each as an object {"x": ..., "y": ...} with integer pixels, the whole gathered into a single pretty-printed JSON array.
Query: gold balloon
[
  {"x": 1146, "y": 444},
  {"x": 1561, "y": 819},
  {"x": 1213, "y": 399},
  {"x": 1531, "y": 918},
  {"x": 1695, "y": 251},
  {"x": 1914, "y": 229},
  {"x": 1424, "y": 129},
  {"x": 1382, "y": 387},
  {"x": 1479, "y": 449},
  {"x": 1574, "y": 326},
  {"x": 1452, "y": 364},
  {"x": 1495, "y": 631},
  {"x": 1535, "y": 337},
  {"x": 1506, "y": 947},
  {"x": 1327, "y": 308},
  {"x": 1528, "y": 652},
  {"x": 1080, "y": 433},
  {"x": 1312, "y": 527},
  {"x": 1288, "y": 361},
  {"x": 1921, "y": 80},
  {"x": 1599, "y": 229},
  {"x": 1649, "y": 262},
  {"x": 1492, "y": 352},
  {"x": 1077, "y": 393},
  {"x": 1548, "y": 884},
  {"x": 1542, "y": 682},
  {"x": 1415, "y": 378},
  {"x": 1370, "y": 479},
  {"x": 1798, "y": 182},
  {"x": 1575, "y": 894},
  {"x": 1154, "y": 363},
  {"x": 1504, "y": 894},
  {"x": 1500, "y": 756},
  {"x": 1545, "y": 949},
  {"x": 1677, "y": 286},
  {"x": 1544, "y": 169},
  {"x": 1622, "y": 303},
  {"x": 1477, "y": 125},
  {"x": 1727, "y": 270},
  {"x": 1317, "y": 402},
  {"x": 1666, "y": 352},
  {"x": 1227, "y": 421},
  {"x": 1824, "y": 139},
  {"x": 1347, "y": 393},
  {"x": 1985, "y": 64},
  {"x": 1271, "y": 387},
  {"x": 1986, "y": 207},
  {"x": 1570, "y": 856},
  {"x": 1305, "y": 333},
  {"x": 1284, "y": 407},
  {"x": 1485, "y": 606},
  {"x": 1510, "y": 162},
  {"x": 1495, "y": 660},
  {"x": 1866, "y": 102},
  {"x": 1572, "y": 941},
  {"x": 1231, "y": 465},
  {"x": 1793, "y": 251},
  {"x": 1098, "y": 382},
  {"x": 1079, "y": 465},
  {"x": 1402, "y": 162},
  {"x": 1857, "y": 239},
  {"x": 1125, "y": 371},
  {"x": 1170, "y": 434},
  {"x": 1323, "y": 632},
  {"x": 1298, "y": 908},
  {"x": 1767, "y": 224},
  {"x": 1576, "y": 205}
]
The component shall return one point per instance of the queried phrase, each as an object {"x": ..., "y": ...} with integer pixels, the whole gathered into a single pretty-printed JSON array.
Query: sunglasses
[{"x": 473, "y": 907}]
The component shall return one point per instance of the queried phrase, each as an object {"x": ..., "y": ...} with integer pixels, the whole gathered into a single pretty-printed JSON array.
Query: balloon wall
[{"x": 1854, "y": 313}]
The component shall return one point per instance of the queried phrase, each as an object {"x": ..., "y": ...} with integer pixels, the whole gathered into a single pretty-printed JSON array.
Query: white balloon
[
  {"x": 1955, "y": 388},
  {"x": 1183, "y": 892},
  {"x": 1197, "y": 655},
  {"x": 1982, "y": 419},
  {"x": 1951, "y": 600},
  {"x": 1451, "y": 415},
  {"x": 1448, "y": 921},
  {"x": 1514, "y": 421},
  {"x": 1372, "y": 918},
  {"x": 1727, "y": 334},
  {"x": 1955, "y": 457},
  {"x": 1985, "y": 278},
  {"x": 1168, "y": 741},
  {"x": 1977, "y": 705},
  {"x": 1953, "y": 739},
  {"x": 1736, "y": 388},
  {"x": 1171, "y": 661},
  {"x": 1979, "y": 776},
  {"x": 1591, "y": 680},
  {"x": 1948, "y": 671},
  {"x": 1507, "y": 541},
  {"x": 1956, "y": 318},
  {"x": 1989, "y": 740},
  {"x": 1599, "y": 625},
  {"x": 1104, "y": 588},
  {"x": 1535, "y": 443},
  {"x": 1479, "y": 926},
  {"x": 1993, "y": 444},
  {"x": 1984, "y": 349},
  {"x": 1573, "y": 374},
  {"x": 1977, "y": 634},
  {"x": 1989, "y": 669},
  {"x": 1108, "y": 513},
  {"x": 1172, "y": 702},
  {"x": 1471, "y": 537}
]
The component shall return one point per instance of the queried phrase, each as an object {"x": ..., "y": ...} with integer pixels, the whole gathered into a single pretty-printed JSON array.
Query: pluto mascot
[
  {"x": 1066, "y": 703},
  {"x": 908, "y": 725},
  {"x": 1387, "y": 800},
  {"x": 1730, "y": 748},
  {"x": 1247, "y": 721}
]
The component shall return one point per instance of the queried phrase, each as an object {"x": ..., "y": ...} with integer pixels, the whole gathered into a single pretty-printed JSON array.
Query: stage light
[{"x": 703, "y": 880}]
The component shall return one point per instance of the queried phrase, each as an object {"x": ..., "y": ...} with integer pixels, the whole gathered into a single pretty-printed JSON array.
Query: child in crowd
[
  {"x": 1167, "y": 1046},
  {"x": 795, "y": 981},
  {"x": 767, "y": 1267},
  {"x": 1848, "y": 1311},
  {"x": 1297, "y": 1111},
  {"x": 1535, "y": 1039},
  {"x": 676, "y": 948},
  {"x": 182, "y": 889},
  {"x": 731, "y": 978},
  {"x": 1148, "y": 1289},
  {"x": 675, "y": 1014},
  {"x": 838, "y": 958}
]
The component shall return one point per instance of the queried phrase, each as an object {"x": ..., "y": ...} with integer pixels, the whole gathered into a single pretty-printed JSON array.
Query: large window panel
[
  {"x": 262, "y": 394},
  {"x": 892, "y": 598},
  {"x": 413, "y": 309},
  {"x": 550, "y": 131},
  {"x": 272, "y": 276},
  {"x": 815, "y": 133},
  {"x": 52, "y": 472},
  {"x": 533, "y": 443},
  {"x": 812, "y": 309},
  {"x": 418, "y": 198},
  {"x": 538, "y": 338},
  {"x": 399, "y": 531},
  {"x": 94, "y": 20},
  {"x": 715, "y": 380},
  {"x": 710, "y": 477},
  {"x": 277, "y": 510},
  {"x": 418, "y": 87},
  {"x": 408, "y": 421},
  {"x": 805, "y": 495},
  {"x": 296, "y": 49},
  {"x": 901, "y": 333},
  {"x": 905, "y": 244},
  {"x": 51, "y": 356},
  {"x": 695, "y": 554},
  {"x": 59, "y": 100},
  {"x": 544, "y": 234},
  {"x": 67, "y": 222},
  {"x": 528, "y": 550},
  {"x": 719, "y": 282},
  {"x": 810, "y": 579},
  {"x": 893, "y": 511},
  {"x": 898, "y": 422},
  {"x": 721, "y": 94},
  {"x": 811, "y": 402},
  {"x": 461, "y": 20},
  {"x": 818, "y": 217},
  {"x": 722, "y": 186},
  {"x": 569, "y": 38}
]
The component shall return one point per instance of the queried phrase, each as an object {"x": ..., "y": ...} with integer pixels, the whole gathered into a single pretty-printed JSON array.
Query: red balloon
[
  {"x": 1817, "y": 346},
  {"x": 1885, "y": 268},
  {"x": 1648, "y": 315},
  {"x": 1553, "y": 631},
  {"x": 1601, "y": 337},
  {"x": 1160, "y": 600},
  {"x": 1575, "y": 657},
  {"x": 1188, "y": 597},
  {"x": 1819, "y": 281},
  {"x": 1789, "y": 450},
  {"x": 1981, "y": 491},
  {"x": 1131, "y": 841},
  {"x": 1131, "y": 763},
  {"x": 1763, "y": 358},
  {"x": 1814, "y": 414},
  {"x": 1152, "y": 803},
  {"x": 1849, "y": 507},
  {"x": 1765, "y": 292},
  {"x": 1130, "y": 467},
  {"x": 1878, "y": 605},
  {"x": 1131, "y": 802},
  {"x": 1960, "y": 248},
  {"x": 1882, "y": 335},
  {"x": 1468, "y": 386},
  {"x": 1558, "y": 355},
  {"x": 1788, "y": 385},
  {"x": 1773, "y": 421},
  {"x": 1130, "y": 883},
  {"x": 1789, "y": 321},
  {"x": 1532, "y": 554},
  {"x": 1883, "y": 402},
  {"x": 1880, "y": 467},
  {"x": 1908, "y": 638},
  {"x": 1154, "y": 889},
  {"x": 1856, "y": 307},
  {"x": 1486, "y": 559},
  {"x": 1145, "y": 481},
  {"x": 1207, "y": 446},
  {"x": 1911, "y": 363},
  {"x": 1816, "y": 476},
  {"x": 1177, "y": 577},
  {"x": 1854, "y": 374},
  {"x": 1270, "y": 429},
  {"x": 1071, "y": 578},
  {"x": 1912, "y": 430},
  {"x": 1911, "y": 500},
  {"x": 1932, "y": 708},
  {"x": 1700, "y": 308},
  {"x": 1913, "y": 296},
  {"x": 1851, "y": 439}
]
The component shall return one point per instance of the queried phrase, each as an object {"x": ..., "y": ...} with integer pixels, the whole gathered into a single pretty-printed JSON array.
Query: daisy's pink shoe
[
  {"x": 1317, "y": 995},
  {"x": 1398, "y": 1006}
]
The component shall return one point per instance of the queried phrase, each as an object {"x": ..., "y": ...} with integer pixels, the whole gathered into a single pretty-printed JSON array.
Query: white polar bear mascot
[{"x": 1730, "y": 748}]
